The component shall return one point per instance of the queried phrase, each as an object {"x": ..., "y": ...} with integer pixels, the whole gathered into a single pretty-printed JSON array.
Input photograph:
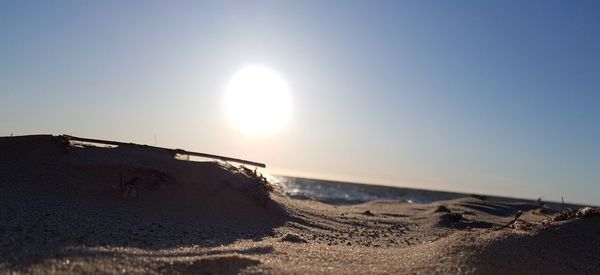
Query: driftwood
[{"x": 173, "y": 151}]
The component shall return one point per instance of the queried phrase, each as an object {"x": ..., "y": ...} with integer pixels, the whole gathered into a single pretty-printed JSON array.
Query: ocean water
[
  {"x": 334, "y": 192},
  {"x": 343, "y": 193}
]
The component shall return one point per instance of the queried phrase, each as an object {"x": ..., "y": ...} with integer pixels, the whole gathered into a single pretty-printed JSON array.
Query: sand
[{"x": 134, "y": 209}]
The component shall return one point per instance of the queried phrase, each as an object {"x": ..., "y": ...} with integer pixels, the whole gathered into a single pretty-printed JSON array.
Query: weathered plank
[{"x": 174, "y": 151}]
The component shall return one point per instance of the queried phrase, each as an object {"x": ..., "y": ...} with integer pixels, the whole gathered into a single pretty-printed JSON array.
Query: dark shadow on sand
[
  {"x": 154, "y": 253},
  {"x": 499, "y": 209},
  {"x": 49, "y": 205},
  {"x": 35, "y": 230},
  {"x": 568, "y": 248}
]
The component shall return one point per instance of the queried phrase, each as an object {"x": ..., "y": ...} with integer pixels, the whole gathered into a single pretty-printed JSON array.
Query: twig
[{"x": 517, "y": 215}]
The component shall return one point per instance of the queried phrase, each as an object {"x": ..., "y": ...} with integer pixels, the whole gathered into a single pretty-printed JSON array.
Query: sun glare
[{"x": 257, "y": 100}]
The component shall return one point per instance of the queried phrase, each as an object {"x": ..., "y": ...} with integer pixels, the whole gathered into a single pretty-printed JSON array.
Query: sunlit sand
[{"x": 68, "y": 207}]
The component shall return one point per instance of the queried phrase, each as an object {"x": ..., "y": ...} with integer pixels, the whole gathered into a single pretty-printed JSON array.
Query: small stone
[
  {"x": 368, "y": 213},
  {"x": 453, "y": 217},
  {"x": 293, "y": 238},
  {"x": 442, "y": 209},
  {"x": 448, "y": 219}
]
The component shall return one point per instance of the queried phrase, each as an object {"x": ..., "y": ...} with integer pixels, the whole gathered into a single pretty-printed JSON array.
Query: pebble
[{"x": 294, "y": 238}]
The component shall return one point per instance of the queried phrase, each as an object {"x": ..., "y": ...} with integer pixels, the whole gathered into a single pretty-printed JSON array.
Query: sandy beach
[{"x": 68, "y": 208}]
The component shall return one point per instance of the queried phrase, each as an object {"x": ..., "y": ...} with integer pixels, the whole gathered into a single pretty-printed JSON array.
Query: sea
[
  {"x": 346, "y": 193},
  {"x": 341, "y": 193}
]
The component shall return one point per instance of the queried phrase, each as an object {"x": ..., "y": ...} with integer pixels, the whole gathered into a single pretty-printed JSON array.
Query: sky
[{"x": 493, "y": 97}]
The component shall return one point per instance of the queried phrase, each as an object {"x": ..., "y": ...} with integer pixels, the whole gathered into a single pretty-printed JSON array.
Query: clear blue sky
[{"x": 499, "y": 97}]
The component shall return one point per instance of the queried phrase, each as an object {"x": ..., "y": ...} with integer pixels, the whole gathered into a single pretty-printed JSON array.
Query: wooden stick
[
  {"x": 174, "y": 151},
  {"x": 517, "y": 215}
]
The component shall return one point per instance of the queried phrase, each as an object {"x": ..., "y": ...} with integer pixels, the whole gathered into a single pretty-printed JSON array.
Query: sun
[{"x": 257, "y": 100}]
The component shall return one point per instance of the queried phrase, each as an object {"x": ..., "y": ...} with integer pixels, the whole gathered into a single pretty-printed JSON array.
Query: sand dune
[{"x": 134, "y": 209}]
